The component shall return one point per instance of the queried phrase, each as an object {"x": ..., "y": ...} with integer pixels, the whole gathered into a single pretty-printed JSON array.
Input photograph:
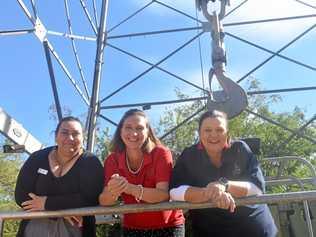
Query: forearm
[
  {"x": 107, "y": 199},
  {"x": 21, "y": 196},
  {"x": 195, "y": 195},
  {"x": 242, "y": 189},
  {"x": 149, "y": 195}
]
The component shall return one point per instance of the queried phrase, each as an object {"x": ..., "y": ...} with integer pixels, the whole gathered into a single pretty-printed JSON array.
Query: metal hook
[{"x": 232, "y": 99}]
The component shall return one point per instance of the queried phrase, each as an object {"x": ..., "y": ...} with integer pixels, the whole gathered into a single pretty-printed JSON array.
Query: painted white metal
[{"x": 14, "y": 131}]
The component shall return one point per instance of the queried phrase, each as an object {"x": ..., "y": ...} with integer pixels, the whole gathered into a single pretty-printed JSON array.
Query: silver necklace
[{"x": 129, "y": 168}]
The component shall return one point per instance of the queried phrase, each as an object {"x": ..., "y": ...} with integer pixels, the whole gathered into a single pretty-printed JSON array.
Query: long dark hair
[{"x": 117, "y": 143}]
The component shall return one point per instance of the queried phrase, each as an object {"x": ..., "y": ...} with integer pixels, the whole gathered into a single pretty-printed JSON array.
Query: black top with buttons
[{"x": 195, "y": 168}]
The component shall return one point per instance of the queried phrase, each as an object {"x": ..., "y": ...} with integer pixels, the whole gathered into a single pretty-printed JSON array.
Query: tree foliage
[
  {"x": 275, "y": 140},
  {"x": 9, "y": 168}
]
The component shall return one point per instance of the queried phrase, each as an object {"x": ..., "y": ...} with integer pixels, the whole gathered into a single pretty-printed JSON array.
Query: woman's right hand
[{"x": 117, "y": 185}]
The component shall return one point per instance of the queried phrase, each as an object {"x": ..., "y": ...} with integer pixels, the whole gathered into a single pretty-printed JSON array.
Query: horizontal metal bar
[
  {"x": 153, "y": 103},
  {"x": 269, "y": 20},
  {"x": 204, "y": 98},
  {"x": 71, "y": 36},
  {"x": 287, "y": 181},
  {"x": 136, "y": 208},
  {"x": 155, "y": 32},
  {"x": 16, "y": 32},
  {"x": 281, "y": 90}
]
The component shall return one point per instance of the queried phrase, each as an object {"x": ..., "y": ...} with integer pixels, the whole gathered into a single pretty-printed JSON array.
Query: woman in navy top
[{"x": 219, "y": 170}]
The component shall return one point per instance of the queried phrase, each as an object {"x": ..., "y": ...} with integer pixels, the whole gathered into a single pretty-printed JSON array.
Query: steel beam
[{"x": 94, "y": 101}]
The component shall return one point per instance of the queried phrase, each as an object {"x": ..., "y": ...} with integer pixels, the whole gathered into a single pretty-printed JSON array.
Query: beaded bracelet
[{"x": 139, "y": 198}]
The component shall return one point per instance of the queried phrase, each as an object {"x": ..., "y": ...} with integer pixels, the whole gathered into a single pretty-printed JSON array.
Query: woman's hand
[
  {"x": 117, "y": 185},
  {"x": 74, "y": 220},
  {"x": 37, "y": 203},
  {"x": 214, "y": 191},
  {"x": 226, "y": 201}
]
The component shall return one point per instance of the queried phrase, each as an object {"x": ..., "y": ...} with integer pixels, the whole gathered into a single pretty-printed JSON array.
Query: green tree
[
  {"x": 9, "y": 168},
  {"x": 273, "y": 138}
]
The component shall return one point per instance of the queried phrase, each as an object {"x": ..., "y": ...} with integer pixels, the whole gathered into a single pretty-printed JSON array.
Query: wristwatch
[{"x": 223, "y": 181}]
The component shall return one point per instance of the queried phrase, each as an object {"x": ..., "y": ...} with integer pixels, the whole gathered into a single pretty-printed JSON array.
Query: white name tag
[{"x": 42, "y": 171}]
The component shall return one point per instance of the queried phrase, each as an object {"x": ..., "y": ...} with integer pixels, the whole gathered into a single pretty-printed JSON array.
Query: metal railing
[
  {"x": 288, "y": 180},
  {"x": 136, "y": 208}
]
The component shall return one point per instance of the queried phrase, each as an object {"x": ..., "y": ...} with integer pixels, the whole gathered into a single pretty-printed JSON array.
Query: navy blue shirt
[{"x": 195, "y": 168}]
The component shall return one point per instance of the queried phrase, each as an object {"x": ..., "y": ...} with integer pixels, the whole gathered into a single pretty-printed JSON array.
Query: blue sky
[{"x": 25, "y": 86}]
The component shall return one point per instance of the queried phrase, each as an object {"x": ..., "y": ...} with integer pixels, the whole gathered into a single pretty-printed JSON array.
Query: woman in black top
[
  {"x": 219, "y": 170},
  {"x": 60, "y": 177}
]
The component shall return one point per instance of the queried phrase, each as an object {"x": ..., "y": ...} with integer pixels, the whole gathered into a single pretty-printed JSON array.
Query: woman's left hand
[
  {"x": 226, "y": 201},
  {"x": 37, "y": 203}
]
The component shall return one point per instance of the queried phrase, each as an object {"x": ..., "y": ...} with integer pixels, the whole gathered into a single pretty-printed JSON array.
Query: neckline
[
  {"x": 129, "y": 168},
  {"x": 62, "y": 167}
]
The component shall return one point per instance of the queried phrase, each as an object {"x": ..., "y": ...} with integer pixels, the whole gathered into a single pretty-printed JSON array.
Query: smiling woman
[
  {"x": 138, "y": 170},
  {"x": 59, "y": 177},
  {"x": 219, "y": 170}
]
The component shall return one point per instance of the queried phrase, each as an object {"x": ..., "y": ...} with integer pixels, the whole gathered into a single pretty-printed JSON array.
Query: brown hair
[
  {"x": 215, "y": 114},
  {"x": 117, "y": 143}
]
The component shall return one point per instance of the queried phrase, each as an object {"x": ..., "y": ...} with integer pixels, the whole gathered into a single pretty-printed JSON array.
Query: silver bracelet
[{"x": 139, "y": 198}]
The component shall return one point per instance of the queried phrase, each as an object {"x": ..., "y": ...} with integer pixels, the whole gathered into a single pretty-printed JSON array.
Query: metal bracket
[{"x": 40, "y": 30}]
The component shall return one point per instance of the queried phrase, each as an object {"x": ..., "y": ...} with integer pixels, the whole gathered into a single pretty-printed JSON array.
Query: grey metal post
[
  {"x": 52, "y": 79},
  {"x": 1, "y": 226},
  {"x": 94, "y": 101}
]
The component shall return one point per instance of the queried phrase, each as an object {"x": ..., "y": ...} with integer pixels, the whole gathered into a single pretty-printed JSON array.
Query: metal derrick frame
[{"x": 95, "y": 104}]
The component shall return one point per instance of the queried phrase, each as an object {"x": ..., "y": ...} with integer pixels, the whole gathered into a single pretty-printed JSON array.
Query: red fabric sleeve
[
  {"x": 110, "y": 167},
  {"x": 163, "y": 167}
]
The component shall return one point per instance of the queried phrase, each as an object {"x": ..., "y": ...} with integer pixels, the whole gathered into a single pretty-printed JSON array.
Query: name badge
[{"x": 42, "y": 171}]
